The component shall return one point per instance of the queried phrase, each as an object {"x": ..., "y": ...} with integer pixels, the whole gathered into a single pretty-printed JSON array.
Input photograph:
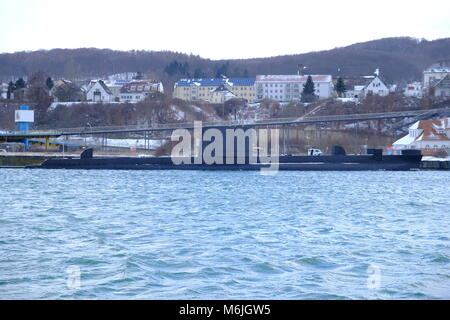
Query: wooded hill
[{"x": 400, "y": 60}]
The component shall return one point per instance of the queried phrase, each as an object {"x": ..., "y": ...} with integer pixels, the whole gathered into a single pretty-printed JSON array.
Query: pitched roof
[
  {"x": 140, "y": 86},
  {"x": 430, "y": 129},
  {"x": 221, "y": 88},
  {"x": 101, "y": 83}
]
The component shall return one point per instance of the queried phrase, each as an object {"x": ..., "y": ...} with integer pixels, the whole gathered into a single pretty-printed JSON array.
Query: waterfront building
[
  {"x": 285, "y": 88},
  {"x": 202, "y": 89},
  {"x": 429, "y": 136}
]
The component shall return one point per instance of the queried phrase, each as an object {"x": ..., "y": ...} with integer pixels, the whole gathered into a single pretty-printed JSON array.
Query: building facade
[
  {"x": 414, "y": 89},
  {"x": 202, "y": 89},
  {"x": 97, "y": 91},
  {"x": 360, "y": 87},
  {"x": 442, "y": 87},
  {"x": 220, "y": 95},
  {"x": 139, "y": 90},
  {"x": 376, "y": 86},
  {"x": 3, "y": 90},
  {"x": 436, "y": 72},
  {"x": 285, "y": 88},
  {"x": 115, "y": 86}
]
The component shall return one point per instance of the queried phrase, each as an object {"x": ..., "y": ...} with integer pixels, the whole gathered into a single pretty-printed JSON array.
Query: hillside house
[
  {"x": 98, "y": 91},
  {"x": 360, "y": 87},
  {"x": 139, "y": 90},
  {"x": 413, "y": 90},
  {"x": 220, "y": 95}
]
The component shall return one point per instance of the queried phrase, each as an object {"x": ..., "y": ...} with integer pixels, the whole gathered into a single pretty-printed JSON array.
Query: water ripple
[{"x": 224, "y": 235}]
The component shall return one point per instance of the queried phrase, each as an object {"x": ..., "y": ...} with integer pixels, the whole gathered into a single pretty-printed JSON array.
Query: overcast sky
[{"x": 216, "y": 29}]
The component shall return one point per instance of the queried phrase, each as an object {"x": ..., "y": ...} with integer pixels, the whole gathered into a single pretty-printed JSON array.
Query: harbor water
[{"x": 77, "y": 234}]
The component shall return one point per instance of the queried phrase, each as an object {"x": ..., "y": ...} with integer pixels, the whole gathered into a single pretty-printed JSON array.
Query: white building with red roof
[
  {"x": 426, "y": 135},
  {"x": 285, "y": 88},
  {"x": 138, "y": 90}
]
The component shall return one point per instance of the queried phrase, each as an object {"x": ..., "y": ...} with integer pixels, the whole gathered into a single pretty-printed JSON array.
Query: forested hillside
[{"x": 400, "y": 60}]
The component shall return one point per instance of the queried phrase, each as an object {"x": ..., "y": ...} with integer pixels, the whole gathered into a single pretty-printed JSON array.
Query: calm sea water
[{"x": 224, "y": 235}]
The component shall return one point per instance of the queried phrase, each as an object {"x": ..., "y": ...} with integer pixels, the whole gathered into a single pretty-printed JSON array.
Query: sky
[{"x": 227, "y": 29}]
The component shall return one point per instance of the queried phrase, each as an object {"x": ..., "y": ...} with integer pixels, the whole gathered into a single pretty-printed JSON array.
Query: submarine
[{"x": 337, "y": 161}]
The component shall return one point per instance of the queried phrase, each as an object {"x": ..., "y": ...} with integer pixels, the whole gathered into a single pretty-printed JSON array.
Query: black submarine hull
[{"x": 298, "y": 163}]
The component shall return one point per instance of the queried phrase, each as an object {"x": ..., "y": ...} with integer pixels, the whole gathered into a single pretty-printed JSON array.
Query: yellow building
[{"x": 202, "y": 89}]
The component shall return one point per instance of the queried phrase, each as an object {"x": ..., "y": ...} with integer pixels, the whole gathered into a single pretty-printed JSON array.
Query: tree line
[{"x": 399, "y": 59}]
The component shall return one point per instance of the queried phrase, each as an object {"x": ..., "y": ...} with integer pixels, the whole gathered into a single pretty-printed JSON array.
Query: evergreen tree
[
  {"x": 222, "y": 70},
  {"x": 175, "y": 68},
  {"x": 172, "y": 68},
  {"x": 308, "y": 94},
  {"x": 11, "y": 89},
  {"x": 340, "y": 87},
  {"x": 198, "y": 73},
  {"x": 20, "y": 84},
  {"x": 184, "y": 69},
  {"x": 49, "y": 83}
]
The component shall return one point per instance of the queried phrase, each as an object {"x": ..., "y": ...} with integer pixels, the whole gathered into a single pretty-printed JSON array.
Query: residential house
[
  {"x": 413, "y": 90},
  {"x": 98, "y": 91},
  {"x": 138, "y": 90},
  {"x": 285, "y": 88},
  {"x": 71, "y": 91},
  {"x": 360, "y": 87},
  {"x": 427, "y": 135},
  {"x": 200, "y": 89},
  {"x": 435, "y": 73},
  {"x": 221, "y": 94},
  {"x": 115, "y": 86}
]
